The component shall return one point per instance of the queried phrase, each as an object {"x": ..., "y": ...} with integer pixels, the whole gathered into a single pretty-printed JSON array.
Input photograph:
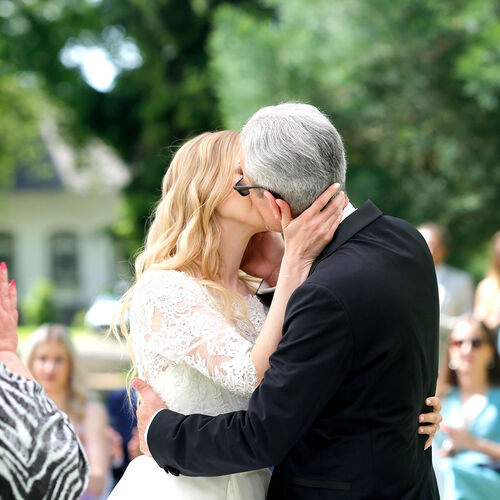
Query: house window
[
  {"x": 64, "y": 259},
  {"x": 7, "y": 251}
]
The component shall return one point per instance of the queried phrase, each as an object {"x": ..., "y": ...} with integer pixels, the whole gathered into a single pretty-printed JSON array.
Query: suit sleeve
[{"x": 305, "y": 372}]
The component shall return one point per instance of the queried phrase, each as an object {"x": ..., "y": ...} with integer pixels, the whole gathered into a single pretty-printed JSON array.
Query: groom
[{"x": 337, "y": 409}]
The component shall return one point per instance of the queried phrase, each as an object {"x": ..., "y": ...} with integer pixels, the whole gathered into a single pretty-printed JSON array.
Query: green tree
[
  {"x": 19, "y": 127},
  {"x": 38, "y": 307},
  {"x": 412, "y": 86},
  {"x": 162, "y": 92}
]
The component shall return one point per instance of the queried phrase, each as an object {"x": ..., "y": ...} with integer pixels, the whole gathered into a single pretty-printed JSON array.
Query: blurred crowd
[
  {"x": 467, "y": 450},
  {"x": 107, "y": 432}
]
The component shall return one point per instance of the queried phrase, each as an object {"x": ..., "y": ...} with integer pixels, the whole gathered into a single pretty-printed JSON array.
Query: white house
[{"x": 54, "y": 224}]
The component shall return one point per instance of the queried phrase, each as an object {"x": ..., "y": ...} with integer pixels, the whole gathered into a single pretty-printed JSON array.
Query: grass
[{"x": 76, "y": 332}]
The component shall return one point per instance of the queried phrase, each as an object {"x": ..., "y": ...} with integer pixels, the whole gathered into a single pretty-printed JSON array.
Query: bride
[{"x": 200, "y": 335}]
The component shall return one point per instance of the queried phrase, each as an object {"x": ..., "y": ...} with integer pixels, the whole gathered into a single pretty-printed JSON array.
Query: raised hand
[
  {"x": 308, "y": 234},
  {"x": 8, "y": 312},
  {"x": 304, "y": 237}
]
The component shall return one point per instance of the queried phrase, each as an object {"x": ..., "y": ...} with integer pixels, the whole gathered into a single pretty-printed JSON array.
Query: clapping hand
[
  {"x": 459, "y": 438},
  {"x": 8, "y": 312}
]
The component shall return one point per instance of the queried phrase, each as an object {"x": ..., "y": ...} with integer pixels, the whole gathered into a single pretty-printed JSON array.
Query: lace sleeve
[{"x": 177, "y": 322}]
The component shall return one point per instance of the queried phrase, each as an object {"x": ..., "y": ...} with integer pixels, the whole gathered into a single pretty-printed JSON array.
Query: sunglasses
[
  {"x": 245, "y": 190},
  {"x": 474, "y": 343}
]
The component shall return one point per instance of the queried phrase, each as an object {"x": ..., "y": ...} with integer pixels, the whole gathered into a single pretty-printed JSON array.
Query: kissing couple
[{"x": 272, "y": 323}]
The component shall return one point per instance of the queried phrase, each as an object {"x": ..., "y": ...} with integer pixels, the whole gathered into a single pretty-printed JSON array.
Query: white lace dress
[{"x": 197, "y": 363}]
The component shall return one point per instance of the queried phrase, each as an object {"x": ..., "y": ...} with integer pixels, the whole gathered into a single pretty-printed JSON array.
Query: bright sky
[{"x": 96, "y": 64}]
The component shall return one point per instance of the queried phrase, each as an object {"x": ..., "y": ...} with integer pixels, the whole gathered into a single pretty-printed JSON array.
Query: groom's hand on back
[{"x": 149, "y": 404}]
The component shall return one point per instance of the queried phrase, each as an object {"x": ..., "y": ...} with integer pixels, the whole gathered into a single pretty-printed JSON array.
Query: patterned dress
[{"x": 41, "y": 457}]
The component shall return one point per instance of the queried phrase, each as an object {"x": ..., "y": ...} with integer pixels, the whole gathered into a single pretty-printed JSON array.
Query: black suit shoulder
[{"x": 371, "y": 251}]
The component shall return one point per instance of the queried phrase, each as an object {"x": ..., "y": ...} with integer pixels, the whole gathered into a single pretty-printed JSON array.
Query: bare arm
[
  {"x": 487, "y": 447},
  {"x": 97, "y": 447},
  {"x": 486, "y": 308},
  {"x": 8, "y": 325},
  {"x": 462, "y": 439},
  {"x": 14, "y": 364},
  {"x": 305, "y": 238}
]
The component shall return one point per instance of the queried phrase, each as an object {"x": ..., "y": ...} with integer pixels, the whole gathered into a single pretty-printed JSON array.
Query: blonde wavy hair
[
  {"x": 77, "y": 393},
  {"x": 184, "y": 234}
]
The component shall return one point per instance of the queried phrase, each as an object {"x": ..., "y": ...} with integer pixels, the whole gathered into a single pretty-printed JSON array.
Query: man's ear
[{"x": 271, "y": 201}]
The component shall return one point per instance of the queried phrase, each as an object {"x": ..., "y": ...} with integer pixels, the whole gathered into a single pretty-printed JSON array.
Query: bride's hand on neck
[
  {"x": 305, "y": 237},
  {"x": 309, "y": 233}
]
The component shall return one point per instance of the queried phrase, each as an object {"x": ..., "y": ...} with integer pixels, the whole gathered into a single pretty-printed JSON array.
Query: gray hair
[{"x": 294, "y": 150}]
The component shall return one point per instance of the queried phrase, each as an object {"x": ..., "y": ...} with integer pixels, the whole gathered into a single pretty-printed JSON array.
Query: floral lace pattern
[{"x": 186, "y": 350}]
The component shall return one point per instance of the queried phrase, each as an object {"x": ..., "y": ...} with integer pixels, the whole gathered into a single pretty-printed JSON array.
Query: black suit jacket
[{"x": 337, "y": 410}]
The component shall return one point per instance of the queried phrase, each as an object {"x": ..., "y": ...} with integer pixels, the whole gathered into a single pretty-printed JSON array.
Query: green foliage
[
  {"x": 154, "y": 104},
  {"x": 19, "y": 125},
  {"x": 79, "y": 319},
  {"x": 38, "y": 306},
  {"x": 412, "y": 86}
]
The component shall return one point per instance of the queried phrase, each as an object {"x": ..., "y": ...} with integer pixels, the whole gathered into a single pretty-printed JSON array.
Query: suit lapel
[{"x": 359, "y": 219}]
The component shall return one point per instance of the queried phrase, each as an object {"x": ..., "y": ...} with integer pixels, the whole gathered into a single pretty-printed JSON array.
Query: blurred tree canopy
[
  {"x": 19, "y": 137},
  {"x": 413, "y": 86},
  {"x": 161, "y": 94}
]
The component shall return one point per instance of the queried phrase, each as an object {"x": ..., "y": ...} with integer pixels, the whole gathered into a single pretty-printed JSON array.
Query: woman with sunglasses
[{"x": 470, "y": 446}]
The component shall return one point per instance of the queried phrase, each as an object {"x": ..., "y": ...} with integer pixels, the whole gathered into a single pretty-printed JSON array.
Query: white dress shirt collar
[{"x": 348, "y": 210}]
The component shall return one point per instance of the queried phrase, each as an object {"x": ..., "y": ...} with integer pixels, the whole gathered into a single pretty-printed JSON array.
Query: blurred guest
[
  {"x": 487, "y": 301},
  {"x": 51, "y": 357},
  {"x": 134, "y": 445},
  {"x": 40, "y": 454},
  {"x": 470, "y": 446},
  {"x": 123, "y": 421},
  {"x": 456, "y": 288}
]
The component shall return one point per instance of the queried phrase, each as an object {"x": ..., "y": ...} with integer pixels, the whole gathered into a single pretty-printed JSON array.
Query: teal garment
[{"x": 464, "y": 475}]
